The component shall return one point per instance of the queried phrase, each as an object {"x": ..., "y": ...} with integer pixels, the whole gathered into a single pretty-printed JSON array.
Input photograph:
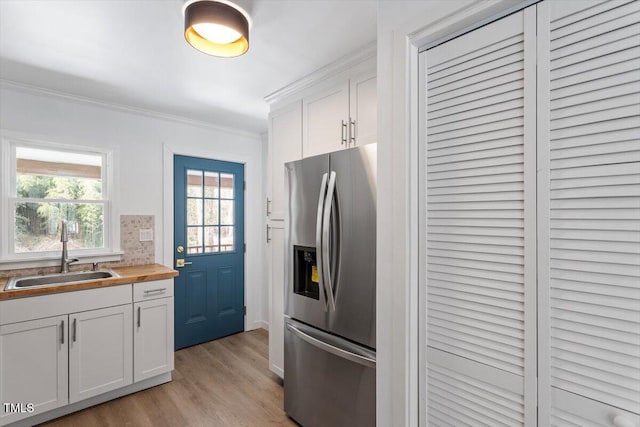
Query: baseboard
[
  {"x": 258, "y": 324},
  {"x": 96, "y": 400}
]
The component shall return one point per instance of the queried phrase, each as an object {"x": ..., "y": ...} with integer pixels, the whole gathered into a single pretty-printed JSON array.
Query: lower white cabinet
[
  {"x": 33, "y": 367},
  {"x": 276, "y": 297},
  {"x": 152, "y": 338},
  {"x": 100, "y": 352},
  {"x": 87, "y": 343}
]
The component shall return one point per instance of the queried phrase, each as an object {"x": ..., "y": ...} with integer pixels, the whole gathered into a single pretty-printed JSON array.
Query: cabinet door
[
  {"x": 481, "y": 260},
  {"x": 152, "y": 338},
  {"x": 276, "y": 298},
  {"x": 100, "y": 351},
  {"x": 325, "y": 117},
  {"x": 363, "y": 110},
  {"x": 589, "y": 212},
  {"x": 33, "y": 366},
  {"x": 285, "y": 135}
]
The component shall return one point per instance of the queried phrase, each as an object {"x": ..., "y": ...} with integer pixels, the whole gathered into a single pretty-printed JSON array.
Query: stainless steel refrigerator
[{"x": 330, "y": 289}]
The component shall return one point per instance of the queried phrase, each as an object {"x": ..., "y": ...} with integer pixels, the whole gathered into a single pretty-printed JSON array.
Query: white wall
[{"x": 139, "y": 142}]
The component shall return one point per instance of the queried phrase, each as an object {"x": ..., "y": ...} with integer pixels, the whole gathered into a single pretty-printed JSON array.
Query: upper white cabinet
[
  {"x": 325, "y": 112},
  {"x": 341, "y": 116},
  {"x": 100, "y": 351},
  {"x": 363, "y": 109},
  {"x": 285, "y": 145},
  {"x": 34, "y": 366},
  {"x": 325, "y": 120}
]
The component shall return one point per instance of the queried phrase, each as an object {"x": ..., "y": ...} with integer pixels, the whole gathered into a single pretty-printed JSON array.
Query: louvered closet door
[
  {"x": 480, "y": 137},
  {"x": 589, "y": 212}
]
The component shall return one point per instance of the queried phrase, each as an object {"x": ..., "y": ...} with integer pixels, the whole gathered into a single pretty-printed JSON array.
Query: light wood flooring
[{"x": 221, "y": 383}]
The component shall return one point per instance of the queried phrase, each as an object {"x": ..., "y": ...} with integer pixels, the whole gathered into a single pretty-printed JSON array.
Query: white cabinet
[
  {"x": 69, "y": 347},
  {"x": 363, "y": 110},
  {"x": 325, "y": 120},
  {"x": 33, "y": 366},
  {"x": 341, "y": 116},
  {"x": 285, "y": 137},
  {"x": 153, "y": 338},
  {"x": 100, "y": 351},
  {"x": 276, "y": 299}
]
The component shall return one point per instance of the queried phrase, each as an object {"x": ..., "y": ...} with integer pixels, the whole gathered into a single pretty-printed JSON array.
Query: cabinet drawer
[{"x": 153, "y": 289}]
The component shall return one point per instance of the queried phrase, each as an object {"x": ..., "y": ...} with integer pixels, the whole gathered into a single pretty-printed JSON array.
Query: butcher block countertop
[{"x": 133, "y": 274}]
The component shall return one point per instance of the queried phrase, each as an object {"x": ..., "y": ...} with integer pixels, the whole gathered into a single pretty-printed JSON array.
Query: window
[
  {"x": 47, "y": 185},
  {"x": 210, "y": 213}
]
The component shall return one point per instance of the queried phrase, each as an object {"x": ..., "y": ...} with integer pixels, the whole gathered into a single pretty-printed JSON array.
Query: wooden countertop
[{"x": 137, "y": 273}]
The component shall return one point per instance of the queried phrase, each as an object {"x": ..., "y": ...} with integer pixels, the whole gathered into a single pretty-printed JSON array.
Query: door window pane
[
  {"x": 211, "y": 184},
  {"x": 226, "y": 212},
  {"x": 194, "y": 211},
  {"x": 226, "y": 186},
  {"x": 211, "y": 239},
  {"x": 194, "y": 240},
  {"x": 194, "y": 183},
  {"x": 211, "y": 212},
  {"x": 226, "y": 239}
]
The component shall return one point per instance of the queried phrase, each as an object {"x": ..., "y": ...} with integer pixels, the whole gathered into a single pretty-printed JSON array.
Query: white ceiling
[{"x": 132, "y": 52}]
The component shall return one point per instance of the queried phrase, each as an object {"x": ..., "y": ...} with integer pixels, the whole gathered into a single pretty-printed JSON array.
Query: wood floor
[{"x": 221, "y": 383}]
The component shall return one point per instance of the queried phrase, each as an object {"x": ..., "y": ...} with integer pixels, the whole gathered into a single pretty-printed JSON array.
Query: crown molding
[
  {"x": 39, "y": 90},
  {"x": 340, "y": 65}
]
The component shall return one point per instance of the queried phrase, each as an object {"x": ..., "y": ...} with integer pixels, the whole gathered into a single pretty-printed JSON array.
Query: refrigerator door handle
[
  {"x": 326, "y": 263},
  {"x": 319, "y": 263},
  {"x": 345, "y": 354}
]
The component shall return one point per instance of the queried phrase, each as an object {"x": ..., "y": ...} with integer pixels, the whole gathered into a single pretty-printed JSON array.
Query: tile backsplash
[{"x": 135, "y": 251}]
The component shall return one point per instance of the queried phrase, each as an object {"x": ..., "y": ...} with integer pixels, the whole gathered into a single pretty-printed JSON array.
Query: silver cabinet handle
[
  {"x": 325, "y": 242},
  {"x": 268, "y": 236},
  {"x": 139, "y": 316},
  {"x": 362, "y": 360},
  {"x": 268, "y": 206},
  {"x": 62, "y": 332},
  {"x": 75, "y": 330},
  {"x": 151, "y": 291},
  {"x": 352, "y": 132},
  {"x": 344, "y": 132},
  {"x": 319, "y": 264}
]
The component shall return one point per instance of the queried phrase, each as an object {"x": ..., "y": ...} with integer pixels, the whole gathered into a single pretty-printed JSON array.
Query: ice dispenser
[{"x": 305, "y": 272}]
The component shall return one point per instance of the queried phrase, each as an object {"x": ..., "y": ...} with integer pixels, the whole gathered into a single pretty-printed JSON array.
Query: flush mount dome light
[{"x": 217, "y": 27}]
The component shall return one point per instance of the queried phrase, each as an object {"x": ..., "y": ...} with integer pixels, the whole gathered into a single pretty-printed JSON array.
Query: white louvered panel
[
  {"x": 475, "y": 193},
  {"x": 458, "y": 394},
  {"x": 594, "y": 200},
  {"x": 475, "y": 267}
]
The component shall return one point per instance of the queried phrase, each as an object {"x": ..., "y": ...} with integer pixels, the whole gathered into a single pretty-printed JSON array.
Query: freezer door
[
  {"x": 353, "y": 245},
  {"x": 330, "y": 381},
  {"x": 305, "y": 187}
]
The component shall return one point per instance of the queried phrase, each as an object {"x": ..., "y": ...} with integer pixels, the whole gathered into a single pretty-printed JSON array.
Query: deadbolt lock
[{"x": 180, "y": 249}]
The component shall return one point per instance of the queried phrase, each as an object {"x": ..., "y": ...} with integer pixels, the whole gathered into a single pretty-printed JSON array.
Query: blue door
[{"x": 208, "y": 249}]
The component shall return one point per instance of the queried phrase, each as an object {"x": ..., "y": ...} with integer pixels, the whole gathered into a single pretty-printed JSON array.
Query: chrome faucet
[{"x": 64, "y": 238}]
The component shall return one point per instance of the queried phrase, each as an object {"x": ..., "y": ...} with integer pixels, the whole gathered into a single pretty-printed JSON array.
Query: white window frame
[{"x": 8, "y": 258}]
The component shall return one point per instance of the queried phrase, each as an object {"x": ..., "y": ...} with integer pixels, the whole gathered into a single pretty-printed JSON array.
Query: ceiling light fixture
[{"x": 217, "y": 27}]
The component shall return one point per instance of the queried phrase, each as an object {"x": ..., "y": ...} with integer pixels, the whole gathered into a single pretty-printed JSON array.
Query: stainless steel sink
[{"x": 58, "y": 279}]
